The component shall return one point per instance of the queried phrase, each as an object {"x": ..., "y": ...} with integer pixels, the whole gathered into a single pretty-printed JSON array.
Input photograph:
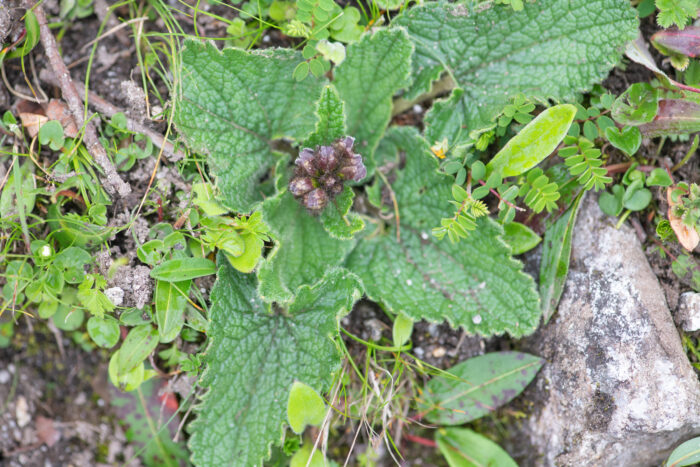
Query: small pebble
[
  {"x": 419, "y": 352},
  {"x": 688, "y": 313},
  {"x": 439, "y": 352},
  {"x": 22, "y": 412},
  {"x": 115, "y": 295},
  {"x": 417, "y": 109},
  {"x": 5, "y": 377}
]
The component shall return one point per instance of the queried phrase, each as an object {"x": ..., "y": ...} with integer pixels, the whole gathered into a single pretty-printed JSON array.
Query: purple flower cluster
[{"x": 320, "y": 175}]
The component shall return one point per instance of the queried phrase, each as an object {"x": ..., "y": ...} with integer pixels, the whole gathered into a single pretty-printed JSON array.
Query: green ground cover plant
[{"x": 308, "y": 195}]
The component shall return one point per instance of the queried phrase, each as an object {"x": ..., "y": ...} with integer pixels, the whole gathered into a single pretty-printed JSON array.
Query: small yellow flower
[{"x": 440, "y": 148}]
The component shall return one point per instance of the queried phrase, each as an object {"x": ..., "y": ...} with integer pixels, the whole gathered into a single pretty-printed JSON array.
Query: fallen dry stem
[
  {"x": 113, "y": 182},
  {"x": 108, "y": 109}
]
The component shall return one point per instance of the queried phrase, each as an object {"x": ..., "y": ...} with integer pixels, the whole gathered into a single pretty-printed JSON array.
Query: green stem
[
  {"x": 375, "y": 346},
  {"x": 623, "y": 218}
]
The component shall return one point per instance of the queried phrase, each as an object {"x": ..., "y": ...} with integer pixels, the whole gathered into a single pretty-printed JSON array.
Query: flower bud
[
  {"x": 306, "y": 161},
  {"x": 316, "y": 200},
  {"x": 300, "y": 186},
  {"x": 326, "y": 160},
  {"x": 327, "y": 181}
]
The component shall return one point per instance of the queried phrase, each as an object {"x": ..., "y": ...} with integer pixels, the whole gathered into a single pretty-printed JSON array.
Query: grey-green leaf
[
  {"x": 474, "y": 284},
  {"x": 466, "y": 448},
  {"x": 478, "y": 386},
  {"x": 254, "y": 356},
  {"x": 556, "y": 254},
  {"x": 232, "y": 105},
  {"x": 376, "y": 68},
  {"x": 687, "y": 453},
  {"x": 182, "y": 269},
  {"x": 552, "y": 49}
]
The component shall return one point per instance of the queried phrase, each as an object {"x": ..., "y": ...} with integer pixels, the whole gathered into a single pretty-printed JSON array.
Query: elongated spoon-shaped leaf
[
  {"x": 466, "y": 448},
  {"x": 556, "y": 254},
  {"x": 183, "y": 269},
  {"x": 535, "y": 142},
  {"x": 480, "y": 385}
]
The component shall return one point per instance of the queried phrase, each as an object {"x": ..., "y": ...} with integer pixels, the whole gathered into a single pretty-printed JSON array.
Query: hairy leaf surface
[
  {"x": 551, "y": 49},
  {"x": 475, "y": 284},
  {"x": 376, "y": 67},
  {"x": 254, "y": 356},
  {"x": 233, "y": 103},
  {"x": 304, "y": 251}
]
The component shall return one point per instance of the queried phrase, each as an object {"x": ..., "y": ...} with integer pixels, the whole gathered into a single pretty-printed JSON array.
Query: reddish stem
[
  {"x": 495, "y": 193},
  {"x": 420, "y": 440},
  {"x": 623, "y": 166}
]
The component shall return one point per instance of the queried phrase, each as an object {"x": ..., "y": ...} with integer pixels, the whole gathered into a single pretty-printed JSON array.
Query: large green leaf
[
  {"x": 255, "y": 354},
  {"x": 478, "y": 386},
  {"x": 376, "y": 67},
  {"x": 233, "y": 103},
  {"x": 475, "y": 284},
  {"x": 304, "y": 251},
  {"x": 551, "y": 49}
]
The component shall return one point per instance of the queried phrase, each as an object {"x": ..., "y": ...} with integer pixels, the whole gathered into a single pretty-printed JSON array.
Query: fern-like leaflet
[
  {"x": 538, "y": 192},
  {"x": 464, "y": 219},
  {"x": 583, "y": 160}
]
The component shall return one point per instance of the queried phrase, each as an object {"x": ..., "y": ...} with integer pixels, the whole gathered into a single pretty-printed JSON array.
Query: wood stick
[
  {"x": 113, "y": 182},
  {"x": 108, "y": 109}
]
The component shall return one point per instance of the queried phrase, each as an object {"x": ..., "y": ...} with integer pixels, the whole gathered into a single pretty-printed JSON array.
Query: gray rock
[
  {"x": 115, "y": 295},
  {"x": 618, "y": 388},
  {"x": 688, "y": 314}
]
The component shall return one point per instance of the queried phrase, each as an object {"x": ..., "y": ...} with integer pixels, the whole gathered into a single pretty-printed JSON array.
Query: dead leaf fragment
[
  {"x": 687, "y": 236},
  {"x": 58, "y": 110},
  {"x": 32, "y": 122},
  {"x": 46, "y": 431}
]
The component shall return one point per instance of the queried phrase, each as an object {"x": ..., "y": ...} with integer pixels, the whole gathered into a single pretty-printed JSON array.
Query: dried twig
[
  {"x": 108, "y": 109},
  {"x": 113, "y": 182}
]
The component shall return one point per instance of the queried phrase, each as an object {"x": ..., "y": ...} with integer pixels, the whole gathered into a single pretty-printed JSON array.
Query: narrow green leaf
[
  {"x": 171, "y": 300},
  {"x": 466, "y": 448},
  {"x": 480, "y": 385},
  {"x": 182, "y": 269},
  {"x": 556, "y": 254},
  {"x": 535, "y": 142},
  {"x": 254, "y": 356}
]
